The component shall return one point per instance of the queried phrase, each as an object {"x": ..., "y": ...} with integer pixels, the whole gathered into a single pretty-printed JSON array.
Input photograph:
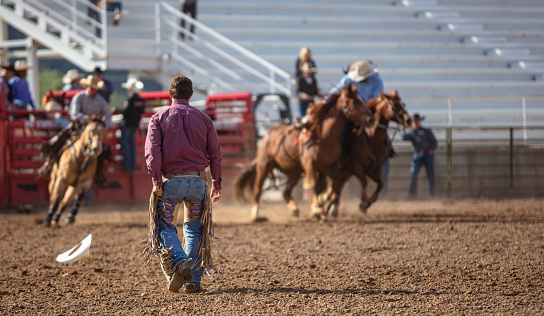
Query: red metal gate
[{"x": 23, "y": 137}]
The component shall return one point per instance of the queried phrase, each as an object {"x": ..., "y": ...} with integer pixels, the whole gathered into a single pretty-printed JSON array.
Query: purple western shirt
[{"x": 182, "y": 139}]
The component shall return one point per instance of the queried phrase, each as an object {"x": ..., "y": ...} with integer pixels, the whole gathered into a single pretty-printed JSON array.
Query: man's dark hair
[{"x": 181, "y": 88}]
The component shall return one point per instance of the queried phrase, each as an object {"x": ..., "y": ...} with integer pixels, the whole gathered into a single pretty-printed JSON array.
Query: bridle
[
  {"x": 87, "y": 153},
  {"x": 399, "y": 116},
  {"x": 348, "y": 112}
]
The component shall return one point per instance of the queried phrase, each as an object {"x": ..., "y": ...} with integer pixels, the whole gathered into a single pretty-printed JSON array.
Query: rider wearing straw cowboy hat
[
  {"x": 89, "y": 102},
  {"x": 364, "y": 74},
  {"x": 70, "y": 79},
  {"x": 85, "y": 104},
  {"x": 19, "y": 87}
]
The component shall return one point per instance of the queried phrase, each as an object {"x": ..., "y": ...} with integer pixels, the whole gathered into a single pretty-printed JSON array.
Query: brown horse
[
  {"x": 363, "y": 162},
  {"x": 313, "y": 151},
  {"x": 73, "y": 173}
]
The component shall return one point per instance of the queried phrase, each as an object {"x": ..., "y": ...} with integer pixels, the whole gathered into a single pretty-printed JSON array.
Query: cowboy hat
[
  {"x": 78, "y": 252},
  {"x": 91, "y": 81},
  {"x": 71, "y": 75},
  {"x": 416, "y": 116},
  {"x": 8, "y": 66},
  {"x": 133, "y": 84},
  {"x": 21, "y": 65},
  {"x": 360, "y": 70},
  {"x": 308, "y": 67}
]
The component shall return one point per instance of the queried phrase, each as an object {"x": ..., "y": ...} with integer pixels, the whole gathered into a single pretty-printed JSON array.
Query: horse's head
[
  {"x": 354, "y": 107},
  {"x": 53, "y": 104},
  {"x": 93, "y": 136},
  {"x": 392, "y": 108}
]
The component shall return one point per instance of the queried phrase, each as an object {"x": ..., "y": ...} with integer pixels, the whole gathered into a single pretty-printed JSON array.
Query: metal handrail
[
  {"x": 72, "y": 24},
  {"x": 273, "y": 70}
]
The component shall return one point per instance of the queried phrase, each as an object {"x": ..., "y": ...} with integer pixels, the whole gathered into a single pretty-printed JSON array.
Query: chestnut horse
[
  {"x": 73, "y": 174},
  {"x": 359, "y": 162},
  {"x": 313, "y": 151}
]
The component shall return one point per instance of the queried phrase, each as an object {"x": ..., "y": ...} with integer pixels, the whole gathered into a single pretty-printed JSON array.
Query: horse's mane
[
  {"x": 375, "y": 102},
  {"x": 317, "y": 113},
  {"x": 372, "y": 104},
  {"x": 97, "y": 120}
]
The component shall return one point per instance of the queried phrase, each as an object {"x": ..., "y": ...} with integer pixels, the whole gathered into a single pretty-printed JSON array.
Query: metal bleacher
[
  {"x": 474, "y": 51},
  {"x": 436, "y": 53}
]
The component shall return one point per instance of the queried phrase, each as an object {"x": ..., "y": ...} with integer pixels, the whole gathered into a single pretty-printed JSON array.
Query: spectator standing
[
  {"x": 116, "y": 8},
  {"x": 181, "y": 142},
  {"x": 424, "y": 143},
  {"x": 19, "y": 87},
  {"x": 71, "y": 79},
  {"x": 107, "y": 88},
  {"x": 188, "y": 7},
  {"x": 8, "y": 72},
  {"x": 304, "y": 56},
  {"x": 307, "y": 88},
  {"x": 133, "y": 108}
]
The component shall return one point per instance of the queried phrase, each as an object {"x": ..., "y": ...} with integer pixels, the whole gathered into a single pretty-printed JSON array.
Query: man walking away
[{"x": 181, "y": 143}]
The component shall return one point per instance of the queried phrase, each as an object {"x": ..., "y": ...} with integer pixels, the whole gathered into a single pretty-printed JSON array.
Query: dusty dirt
[{"x": 429, "y": 257}]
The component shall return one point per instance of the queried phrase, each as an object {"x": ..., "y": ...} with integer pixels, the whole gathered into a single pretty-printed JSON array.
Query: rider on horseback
[{"x": 84, "y": 105}]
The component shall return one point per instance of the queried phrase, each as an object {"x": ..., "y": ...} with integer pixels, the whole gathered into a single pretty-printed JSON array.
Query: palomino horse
[
  {"x": 313, "y": 152},
  {"x": 368, "y": 151},
  {"x": 73, "y": 173}
]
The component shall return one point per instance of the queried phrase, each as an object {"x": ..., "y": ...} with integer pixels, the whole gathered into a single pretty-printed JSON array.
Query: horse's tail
[{"x": 245, "y": 180}]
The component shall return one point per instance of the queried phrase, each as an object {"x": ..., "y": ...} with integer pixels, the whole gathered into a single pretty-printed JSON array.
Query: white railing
[
  {"x": 232, "y": 64},
  {"x": 67, "y": 21}
]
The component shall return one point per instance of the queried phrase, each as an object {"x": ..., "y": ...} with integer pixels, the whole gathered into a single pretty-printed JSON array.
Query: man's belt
[{"x": 167, "y": 176}]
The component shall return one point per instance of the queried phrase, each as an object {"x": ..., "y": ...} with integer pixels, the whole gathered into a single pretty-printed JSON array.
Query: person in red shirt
[{"x": 181, "y": 143}]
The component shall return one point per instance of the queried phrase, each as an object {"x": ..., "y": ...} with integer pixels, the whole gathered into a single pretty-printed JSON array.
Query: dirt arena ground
[{"x": 473, "y": 257}]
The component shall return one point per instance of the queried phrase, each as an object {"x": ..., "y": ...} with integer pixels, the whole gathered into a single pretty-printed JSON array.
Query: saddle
[{"x": 53, "y": 149}]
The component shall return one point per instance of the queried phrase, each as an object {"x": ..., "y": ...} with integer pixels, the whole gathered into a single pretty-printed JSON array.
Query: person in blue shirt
[
  {"x": 424, "y": 143},
  {"x": 364, "y": 75},
  {"x": 71, "y": 79},
  {"x": 19, "y": 87}
]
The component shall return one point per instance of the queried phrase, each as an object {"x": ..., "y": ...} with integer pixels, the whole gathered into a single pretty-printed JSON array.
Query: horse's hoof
[
  {"x": 334, "y": 211},
  {"x": 54, "y": 224},
  {"x": 293, "y": 209},
  {"x": 46, "y": 224},
  {"x": 70, "y": 220},
  {"x": 259, "y": 219},
  {"x": 322, "y": 199},
  {"x": 364, "y": 207},
  {"x": 316, "y": 212}
]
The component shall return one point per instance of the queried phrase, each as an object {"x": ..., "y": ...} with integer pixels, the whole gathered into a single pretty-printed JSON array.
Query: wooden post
[
  {"x": 511, "y": 157},
  {"x": 449, "y": 163}
]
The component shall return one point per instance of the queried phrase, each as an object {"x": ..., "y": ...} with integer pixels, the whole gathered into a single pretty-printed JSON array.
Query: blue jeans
[
  {"x": 177, "y": 190},
  {"x": 303, "y": 107},
  {"x": 62, "y": 122},
  {"x": 128, "y": 147},
  {"x": 418, "y": 160}
]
